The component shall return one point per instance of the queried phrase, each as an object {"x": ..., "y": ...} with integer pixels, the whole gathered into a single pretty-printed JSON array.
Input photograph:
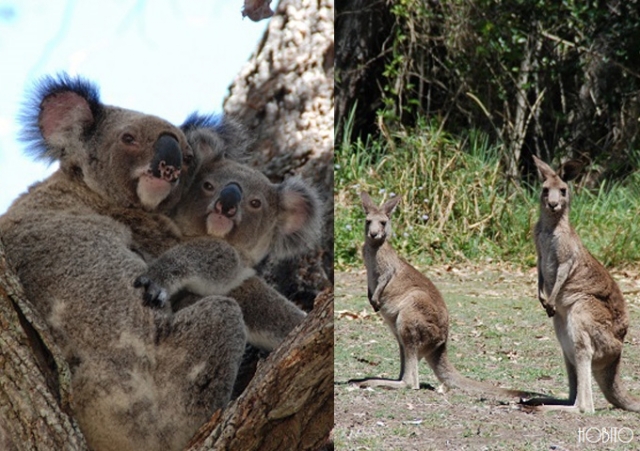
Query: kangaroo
[
  {"x": 587, "y": 306},
  {"x": 412, "y": 307}
]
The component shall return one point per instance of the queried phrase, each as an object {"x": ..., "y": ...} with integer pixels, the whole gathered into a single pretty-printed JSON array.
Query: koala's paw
[{"x": 154, "y": 295}]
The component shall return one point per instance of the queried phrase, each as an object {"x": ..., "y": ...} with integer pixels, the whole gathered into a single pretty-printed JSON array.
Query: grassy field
[{"x": 498, "y": 333}]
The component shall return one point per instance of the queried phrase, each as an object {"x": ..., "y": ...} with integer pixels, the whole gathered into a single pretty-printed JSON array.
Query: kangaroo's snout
[
  {"x": 376, "y": 230},
  {"x": 230, "y": 197},
  {"x": 554, "y": 200}
]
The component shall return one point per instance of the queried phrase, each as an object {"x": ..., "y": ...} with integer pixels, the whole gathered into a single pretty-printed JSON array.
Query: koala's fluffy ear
[
  {"x": 216, "y": 136},
  {"x": 61, "y": 112},
  {"x": 299, "y": 218}
]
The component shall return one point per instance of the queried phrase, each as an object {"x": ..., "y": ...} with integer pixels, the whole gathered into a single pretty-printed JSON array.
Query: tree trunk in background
[
  {"x": 285, "y": 95},
  {"x": 364, "y": 28}
]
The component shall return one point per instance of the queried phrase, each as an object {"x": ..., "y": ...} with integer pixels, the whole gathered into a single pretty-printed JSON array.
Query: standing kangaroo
[
  {"x": 412, "y": 307},
  {"x": 588, "y": 310}
]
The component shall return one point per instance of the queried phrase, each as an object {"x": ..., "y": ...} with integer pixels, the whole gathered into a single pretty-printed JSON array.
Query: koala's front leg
[
  {"x": 203, "y": 266},
  {"x": 268, "y": 316}
]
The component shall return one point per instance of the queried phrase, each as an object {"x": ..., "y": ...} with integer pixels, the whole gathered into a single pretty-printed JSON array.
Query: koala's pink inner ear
[
  {"x": 63, "y": 111},
  {"x": 297, "y": 212}
]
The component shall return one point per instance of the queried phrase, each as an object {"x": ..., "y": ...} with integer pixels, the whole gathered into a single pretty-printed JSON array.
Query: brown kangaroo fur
[
  {"x": 588, "y": 310},
  {"x": 412, "y": 307}
]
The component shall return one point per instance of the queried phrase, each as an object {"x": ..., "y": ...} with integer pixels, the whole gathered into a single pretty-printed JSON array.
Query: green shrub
[{"x": 458, "y": 206}]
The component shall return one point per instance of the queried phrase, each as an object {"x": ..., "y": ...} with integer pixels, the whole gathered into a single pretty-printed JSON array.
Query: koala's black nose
[
  {"x": 229, "y": 199},
  {"x": 167, "y": 158}
]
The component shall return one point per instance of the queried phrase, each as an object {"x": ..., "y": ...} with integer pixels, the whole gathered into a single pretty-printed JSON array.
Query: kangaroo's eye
[
  {"x": 255, "y": 203},
  {"x": 128, "y": 138},
  {"x": 545, "y": 191},
  {"x": 208, "y": 186},
  {"x": 563, "y": 191}
]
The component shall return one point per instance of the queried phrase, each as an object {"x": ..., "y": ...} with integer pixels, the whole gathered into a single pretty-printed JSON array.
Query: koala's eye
[
  {"x": 128, "y": 138},
  {"x": 208, "y": 186},
  {"x": 255, "y": 203}
]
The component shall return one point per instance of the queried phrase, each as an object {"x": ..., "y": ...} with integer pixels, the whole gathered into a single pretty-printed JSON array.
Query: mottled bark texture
[{"x": 34, "y": 380}]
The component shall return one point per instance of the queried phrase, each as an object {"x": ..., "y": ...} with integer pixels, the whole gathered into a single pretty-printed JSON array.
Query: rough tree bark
[
  {"x": 34, "y": 380},
  {"x": 285, "y": 95}
]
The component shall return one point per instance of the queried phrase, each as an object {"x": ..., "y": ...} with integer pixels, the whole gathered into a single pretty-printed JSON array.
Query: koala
[
  {"x": 234, "y": 203},
  {"x": 142, "y": 379}
]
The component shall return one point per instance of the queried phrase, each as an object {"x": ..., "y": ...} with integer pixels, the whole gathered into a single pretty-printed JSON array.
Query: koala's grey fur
[
  {"x": 142, "y": 379},
  {"x": 265, "y": 218},
  {"x": 289, "y": 220},
  {"x": 201, "y": 266}
]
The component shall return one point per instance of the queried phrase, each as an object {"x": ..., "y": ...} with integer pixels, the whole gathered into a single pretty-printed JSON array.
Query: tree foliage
[{"x": 555, "y": 79}]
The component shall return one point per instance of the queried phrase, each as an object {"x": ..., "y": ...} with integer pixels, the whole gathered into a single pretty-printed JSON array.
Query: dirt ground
[{"x": 498, "y": 333}]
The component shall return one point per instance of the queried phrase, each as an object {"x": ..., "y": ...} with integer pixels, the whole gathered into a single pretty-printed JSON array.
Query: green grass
[{"x": 458, "y": 205}]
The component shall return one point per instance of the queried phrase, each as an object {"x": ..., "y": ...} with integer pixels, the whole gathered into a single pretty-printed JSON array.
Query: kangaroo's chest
[
  {"x": 548, "y": 261},
  {"x": 377, "y": 266},
  {"x": 554, "y": 248}
]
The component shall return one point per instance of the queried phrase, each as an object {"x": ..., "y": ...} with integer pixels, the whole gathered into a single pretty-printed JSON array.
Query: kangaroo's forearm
[{"x": 562, "y": 274}]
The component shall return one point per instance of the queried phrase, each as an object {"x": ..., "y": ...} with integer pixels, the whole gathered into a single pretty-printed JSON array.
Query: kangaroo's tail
[
  {"x": 610, "y": 383},
  {"x": 451, "y": 378}
]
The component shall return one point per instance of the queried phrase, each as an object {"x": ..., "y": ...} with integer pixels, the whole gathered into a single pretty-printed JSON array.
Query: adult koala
[
  {"x": 142, "y": 379},
  {"x": 230, "y": 201}
]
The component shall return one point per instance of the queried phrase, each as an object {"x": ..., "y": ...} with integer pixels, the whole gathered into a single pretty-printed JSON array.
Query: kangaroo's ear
[
  {"x": 570, "y": 170},
  {"x": 367, "y": 202},
  {"x": 390, "y": 205},
  {"x": 544, "y": 169}
]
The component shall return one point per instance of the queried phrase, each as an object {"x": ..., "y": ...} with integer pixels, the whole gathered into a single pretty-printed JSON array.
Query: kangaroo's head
[
  {"x": 555, "y": 198},
  {"x": 378, "y": 221}
]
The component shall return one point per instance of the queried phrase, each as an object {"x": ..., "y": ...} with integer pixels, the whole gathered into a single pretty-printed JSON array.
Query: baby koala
[{"x": 232, "y": 212}]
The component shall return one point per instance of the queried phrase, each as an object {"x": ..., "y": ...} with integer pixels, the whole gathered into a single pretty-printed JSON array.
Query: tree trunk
[
  {"x": 285, "y": 95},
  {"x": 364, "y": 28},
  {"x": 34, "y": 380}
]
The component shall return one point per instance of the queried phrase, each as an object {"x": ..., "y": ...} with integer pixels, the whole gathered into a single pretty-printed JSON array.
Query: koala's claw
[{"x": 154, "y": 295}]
